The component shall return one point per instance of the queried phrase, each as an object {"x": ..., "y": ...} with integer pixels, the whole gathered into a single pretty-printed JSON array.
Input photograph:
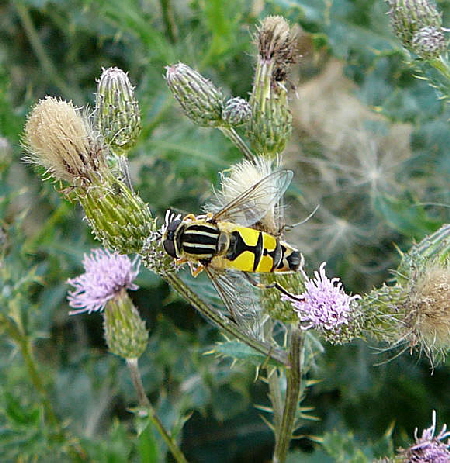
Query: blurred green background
[{"x": 370, "y": 145}]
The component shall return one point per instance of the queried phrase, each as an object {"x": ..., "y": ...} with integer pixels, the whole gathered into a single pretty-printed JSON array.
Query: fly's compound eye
[{"x": 170, "y": 237}]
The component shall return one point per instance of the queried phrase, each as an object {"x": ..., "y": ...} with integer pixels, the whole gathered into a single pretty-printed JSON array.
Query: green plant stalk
[
  {"x": 275, "y": 396},
  {"x": 283, "y": 435},
  {"x": 238, "y": 142},
  {"x": 273, "y": 382},
  {"x": 145, "y": 403},
  {"x": 261, "y": 87},
  {"x": 169, "y": 20},
  {"x": 223, "y": 323}
]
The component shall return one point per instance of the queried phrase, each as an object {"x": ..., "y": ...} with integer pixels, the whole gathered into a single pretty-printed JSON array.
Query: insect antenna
[{"x": 290, "y": 227}]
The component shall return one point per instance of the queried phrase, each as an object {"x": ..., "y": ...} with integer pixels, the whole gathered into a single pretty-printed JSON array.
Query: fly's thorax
[
  {"x": 200, "y": 240},
  {"x": 290, "y": 258}
]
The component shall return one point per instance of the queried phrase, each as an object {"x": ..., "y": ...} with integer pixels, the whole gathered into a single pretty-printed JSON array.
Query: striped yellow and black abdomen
[{"x": 249, "y": 250}]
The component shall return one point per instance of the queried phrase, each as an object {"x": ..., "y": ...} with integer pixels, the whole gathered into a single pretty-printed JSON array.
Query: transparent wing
[
  {"x": 258, "y": 201},
  {"x": 241, "y": 299}
]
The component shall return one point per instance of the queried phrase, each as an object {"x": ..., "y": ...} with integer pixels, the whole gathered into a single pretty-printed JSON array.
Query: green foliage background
[{"x": 370, "y": 145}]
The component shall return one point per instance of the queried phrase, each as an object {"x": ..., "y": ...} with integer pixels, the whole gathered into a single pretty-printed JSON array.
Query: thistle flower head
[
  {"x": 107, "y": 276},
  {"x": 429, "y": 448},
  {"x": 59, "y": 138},
  {"x": 200, "y": 99},
  {"x": 408, "y": 17},
  {"x": 117, "y": 110},
  {"x": 324, "y": 306}
]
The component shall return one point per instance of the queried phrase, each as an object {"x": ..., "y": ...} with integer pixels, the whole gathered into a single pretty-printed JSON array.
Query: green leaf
[
  {"x": 240, "y": 351},
  {"x": 147, "y": 446},
  {"x": 344, "y": 448}
]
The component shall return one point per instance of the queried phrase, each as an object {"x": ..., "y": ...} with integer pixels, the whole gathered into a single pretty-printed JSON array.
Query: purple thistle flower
[
  {"x": 428, "y": 448},
  {"x": 106, "y": 275},
  {"x": 324, "y": 305}
]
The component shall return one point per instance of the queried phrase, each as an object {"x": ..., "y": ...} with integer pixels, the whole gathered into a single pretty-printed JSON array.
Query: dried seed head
[
  {"x": 60, "y": 138},
  {"x": 277, "y": 42},
  {"x": 427, "y": 308},
  {"x": 117, "y": 113},
  {"x": 200, "y": 99},
  {"x": 238, "y": 179},
  {"x": 270, "y": 125}
]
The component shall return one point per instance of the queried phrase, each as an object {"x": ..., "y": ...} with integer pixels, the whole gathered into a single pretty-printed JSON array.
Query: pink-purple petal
[{"x": 106, "y": 275}]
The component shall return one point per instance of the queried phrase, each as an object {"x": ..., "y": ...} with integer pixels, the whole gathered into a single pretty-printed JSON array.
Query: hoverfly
[{"x": 239, "y": 239}]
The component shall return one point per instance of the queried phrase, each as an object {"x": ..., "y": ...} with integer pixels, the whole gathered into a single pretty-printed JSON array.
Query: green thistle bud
[
  {"x": 125, "y": 331},
  {"x": 270, "y": 129},
  {"x": 408, "y": 17},
  {"x": 236, "y": 111},
  {"x": 200, "y": 99},
  {"x": 270, "y": 125},
  {"x": 118, "y": 217},
  {"x": 117, "y": 110},
  {"x": 429, "y": 43}
]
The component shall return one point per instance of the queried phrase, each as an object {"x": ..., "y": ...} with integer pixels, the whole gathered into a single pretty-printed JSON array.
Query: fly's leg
[
  {"x": 273, "y": 285},
  {"x": 196, "y": 270}
]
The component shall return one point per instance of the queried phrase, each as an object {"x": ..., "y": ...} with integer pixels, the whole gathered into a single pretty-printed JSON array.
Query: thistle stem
[
  {"x": 283, "y": 435},
  {"x": 145, "y": 404},
  {"x": 275, "y": 396},
  {"x": 238, "y": 142},
  {"x": 227, "y": 325},
  {"x": 169, "y": 20}
]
